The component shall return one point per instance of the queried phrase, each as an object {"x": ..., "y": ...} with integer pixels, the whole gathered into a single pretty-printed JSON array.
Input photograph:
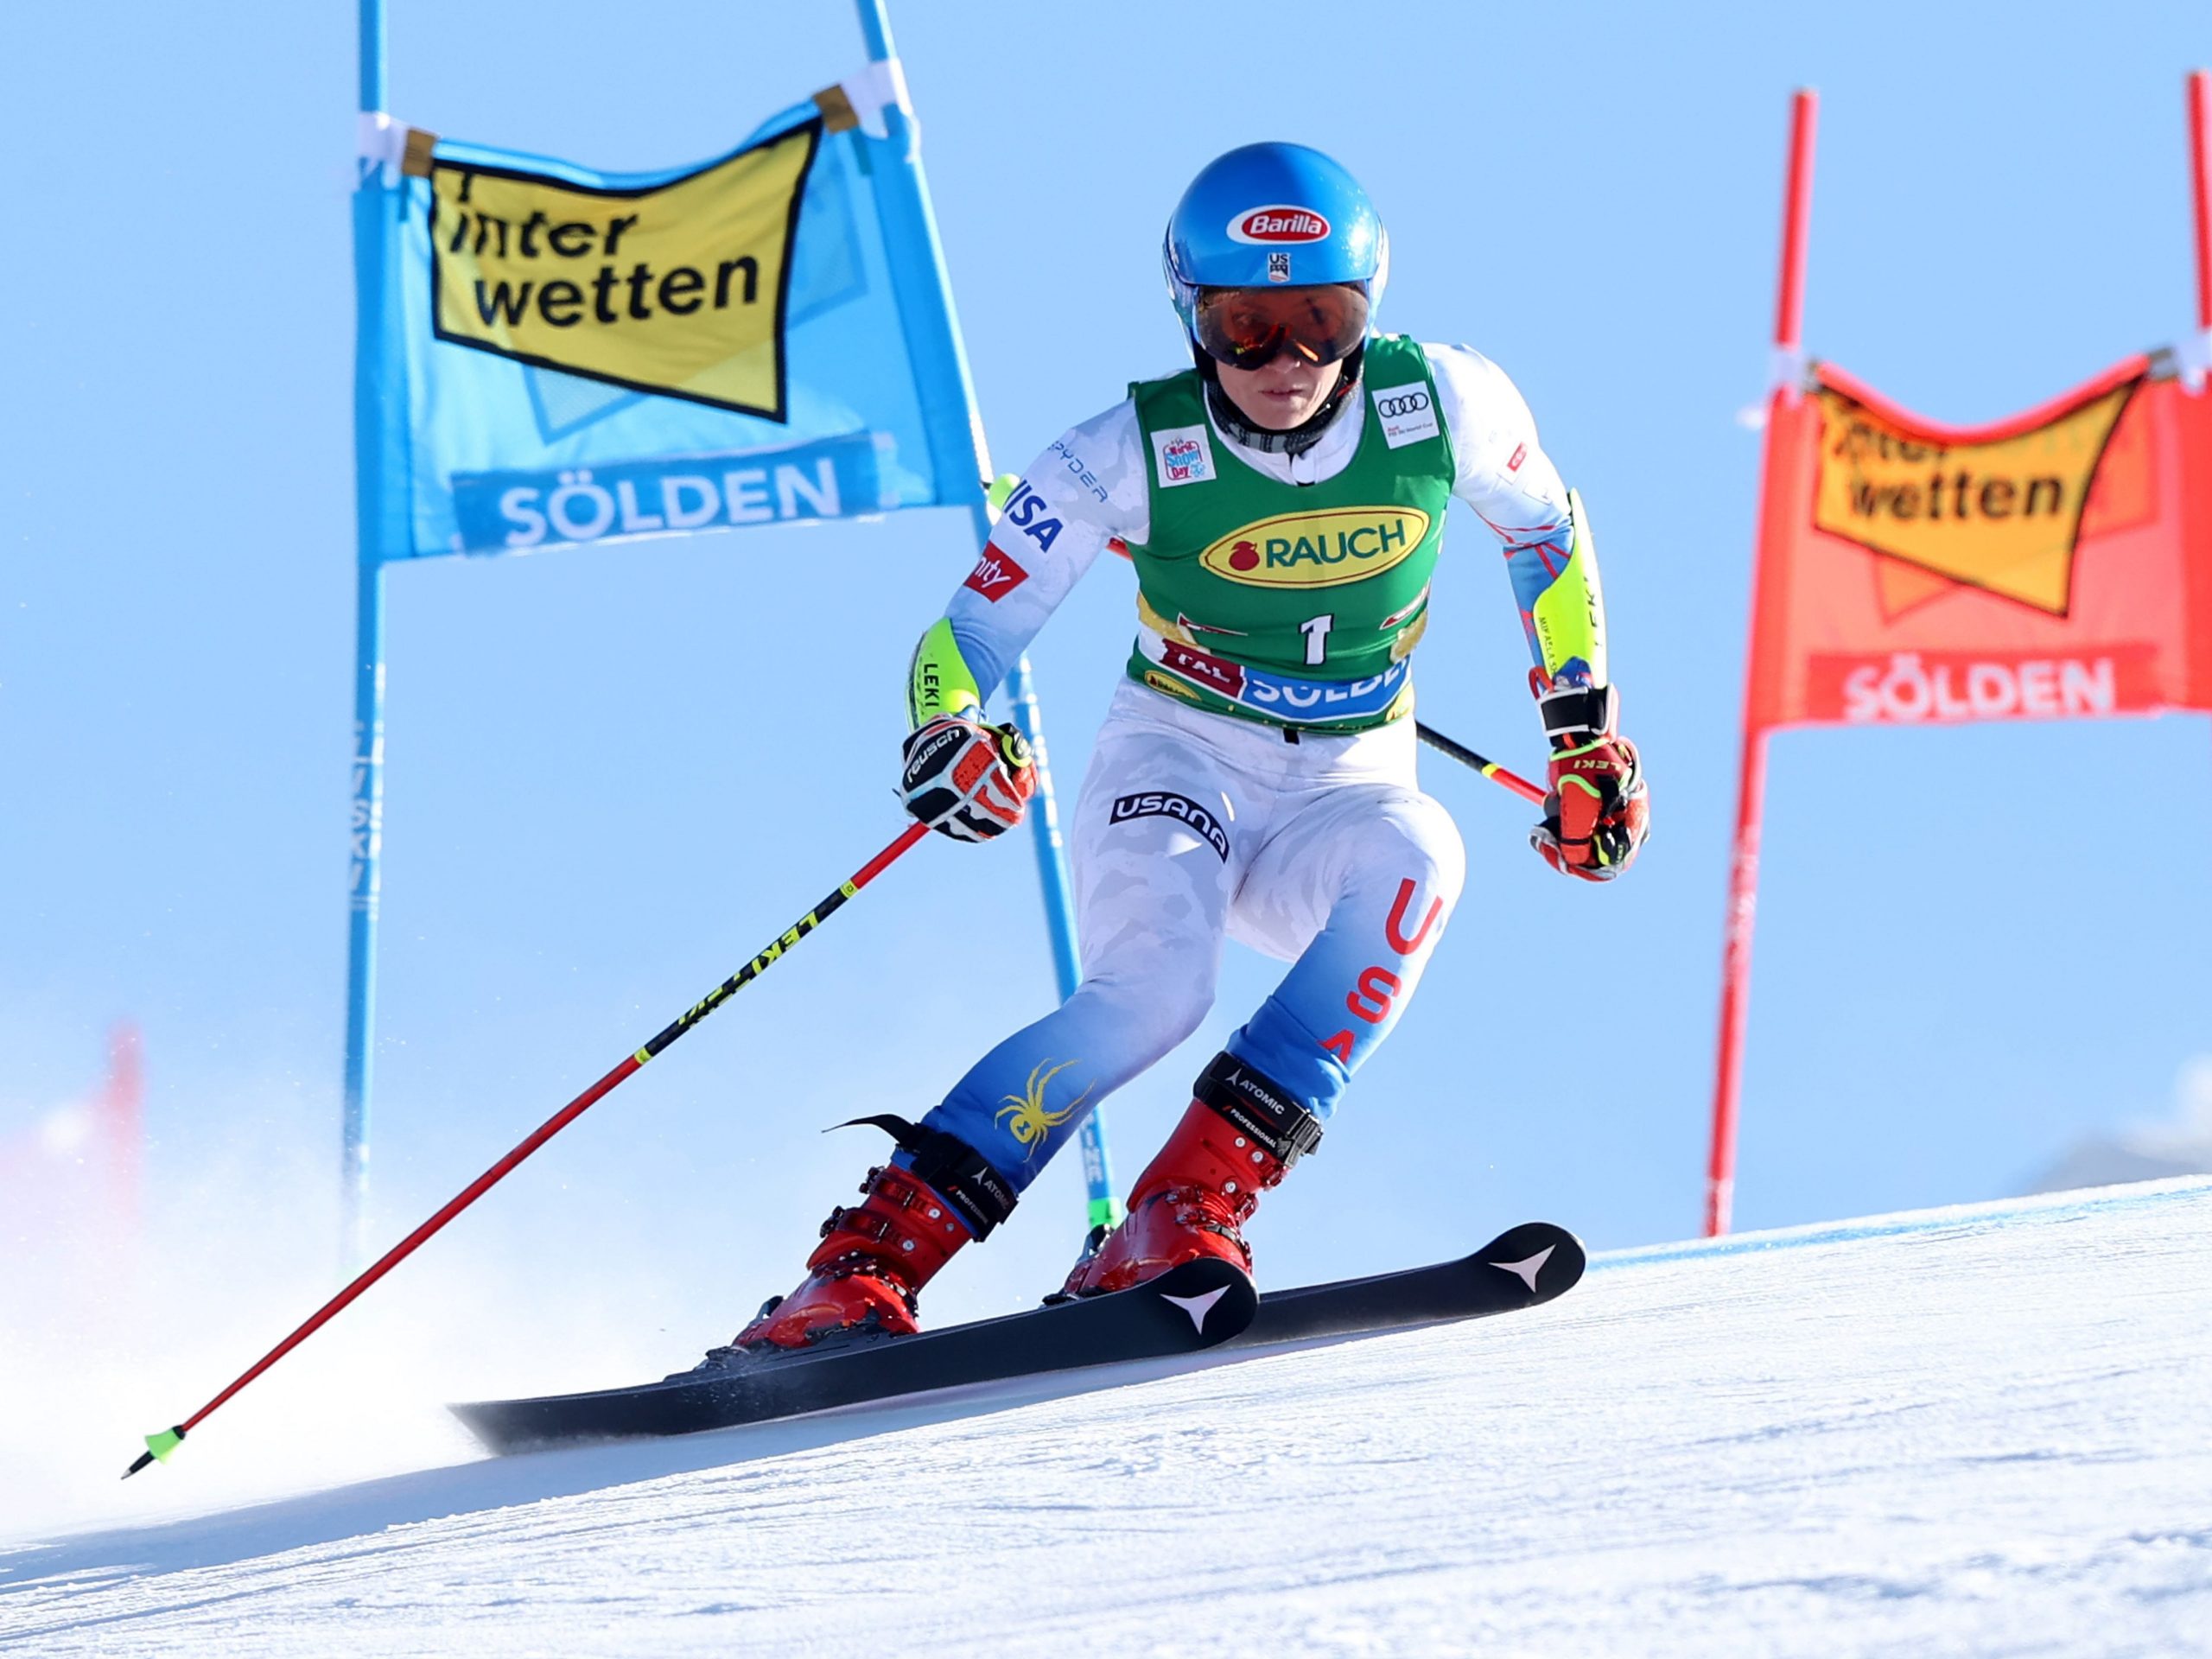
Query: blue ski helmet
[{"x": 1273, "y": 214}]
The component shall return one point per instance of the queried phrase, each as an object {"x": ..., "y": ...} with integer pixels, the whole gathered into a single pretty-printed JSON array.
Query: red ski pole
[
  {"x": 1490, "y": 769},
  {"x": 160, "y": 1446}
]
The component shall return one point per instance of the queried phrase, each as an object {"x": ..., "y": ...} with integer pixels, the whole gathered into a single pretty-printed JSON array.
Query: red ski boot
[
  {"x": 865, "y": 1277},
  {"x": 1240, "y": 1136}
]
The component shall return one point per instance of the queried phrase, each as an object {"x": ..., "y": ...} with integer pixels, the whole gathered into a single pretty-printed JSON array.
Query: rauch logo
[
  {"x": 1318, "y": 550},
  {"x": 1278, "y": 224}
]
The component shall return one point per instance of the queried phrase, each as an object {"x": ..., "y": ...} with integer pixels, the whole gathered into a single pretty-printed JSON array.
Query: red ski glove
[
  {"x": 1596, "y": 813},
  {"x": 966, "y": 779}
]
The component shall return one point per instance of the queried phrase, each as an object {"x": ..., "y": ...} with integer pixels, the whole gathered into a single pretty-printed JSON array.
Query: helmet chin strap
[{"x": 1292, "y": 440}]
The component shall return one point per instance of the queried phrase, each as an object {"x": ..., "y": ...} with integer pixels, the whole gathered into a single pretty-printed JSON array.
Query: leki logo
[
  {"x": 1278, "y": 224},
  {"x": 1317, "y": 549},
  {"x": 1025, "y": 1115}
]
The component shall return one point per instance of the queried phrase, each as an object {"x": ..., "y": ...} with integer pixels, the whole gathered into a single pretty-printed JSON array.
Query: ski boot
[
  {"x": 864, "y": 1280},
  {"x": 1240, "y": 1136}
]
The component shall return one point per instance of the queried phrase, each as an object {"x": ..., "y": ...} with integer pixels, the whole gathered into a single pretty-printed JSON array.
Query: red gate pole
[
  {"x": 1750, "y": 774},
  {"x": 2200, "y": 165},
  {"x": 2196, "y": 359},
  {"x": 123, "y": 1124}
]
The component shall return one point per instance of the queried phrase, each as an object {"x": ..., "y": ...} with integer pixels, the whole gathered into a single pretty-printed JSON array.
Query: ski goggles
[{"x": 1246, "y": 327}]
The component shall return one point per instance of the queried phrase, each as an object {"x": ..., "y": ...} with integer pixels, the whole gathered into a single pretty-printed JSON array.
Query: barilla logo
[{"x": 1278, "y": 224}]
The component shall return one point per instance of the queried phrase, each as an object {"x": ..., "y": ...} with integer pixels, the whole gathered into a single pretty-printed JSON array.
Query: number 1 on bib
[{"x": 1316, "y": 639}]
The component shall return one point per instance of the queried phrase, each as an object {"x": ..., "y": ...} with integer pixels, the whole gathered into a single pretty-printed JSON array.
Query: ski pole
[
  {"x": 160, "y": 1446},
  {"x": 1490, "y": 769}
]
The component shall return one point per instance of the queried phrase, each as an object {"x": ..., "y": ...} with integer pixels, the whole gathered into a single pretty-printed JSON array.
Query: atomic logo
[
  {"x": 1197, "y": 1306},
  {"x": 1528, "y": 1268}
]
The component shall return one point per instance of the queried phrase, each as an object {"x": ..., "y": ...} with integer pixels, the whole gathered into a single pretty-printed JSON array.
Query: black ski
[
  {"x": 1521, "y": 1266},
  {"x": 1195, "y": 1305}
]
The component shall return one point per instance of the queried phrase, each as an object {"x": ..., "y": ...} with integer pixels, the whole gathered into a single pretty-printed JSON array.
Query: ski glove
[
  {"x": 966, "y": 779},
  {"x": 1596, "y": 811}
]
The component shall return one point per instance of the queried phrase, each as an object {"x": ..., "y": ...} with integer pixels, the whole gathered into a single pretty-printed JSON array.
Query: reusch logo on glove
[
  {"x": 930, "y": 758},
  {"x": 1277, "y": 225},
  {"x": 1317, "y": 549}
]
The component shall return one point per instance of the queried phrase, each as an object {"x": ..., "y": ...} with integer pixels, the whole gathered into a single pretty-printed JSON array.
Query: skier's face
[{"x": 1283, "y": 392}]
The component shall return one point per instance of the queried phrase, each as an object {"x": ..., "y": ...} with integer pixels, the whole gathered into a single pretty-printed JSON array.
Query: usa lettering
[
  {"x": 1027, "y": 512},
  {"x": 1375, "y": 993}
]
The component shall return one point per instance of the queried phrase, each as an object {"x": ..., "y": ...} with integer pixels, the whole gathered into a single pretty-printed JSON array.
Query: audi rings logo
[{"x": 1408, "y": 413}]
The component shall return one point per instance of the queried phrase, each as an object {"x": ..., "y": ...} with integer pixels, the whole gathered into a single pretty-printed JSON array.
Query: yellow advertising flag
[
  {"x": 2053, "y": 565},
  {"x": 677, "y": 289},
  {"x": 2002, "y": 515}
]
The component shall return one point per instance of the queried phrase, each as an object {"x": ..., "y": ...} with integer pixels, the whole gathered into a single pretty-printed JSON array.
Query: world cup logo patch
[{"x": 1181, "y": 454}]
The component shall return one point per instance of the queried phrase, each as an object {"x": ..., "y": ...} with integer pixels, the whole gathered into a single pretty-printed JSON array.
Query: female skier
[{"x": 1282, "y": 502}]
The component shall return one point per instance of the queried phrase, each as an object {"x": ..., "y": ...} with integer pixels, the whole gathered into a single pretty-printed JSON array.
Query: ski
[
  {"x": 1200, "y": 1305},
  {"x": 1521, "y": 1266},
  {"x": 1196, "y": 1305}
]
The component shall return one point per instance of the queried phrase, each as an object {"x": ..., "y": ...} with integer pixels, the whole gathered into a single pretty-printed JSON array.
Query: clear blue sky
[{"x": 614, "y": 773}]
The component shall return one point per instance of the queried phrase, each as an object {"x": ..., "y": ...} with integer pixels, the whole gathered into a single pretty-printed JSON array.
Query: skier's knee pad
[
  {"x": 1409, "y": 882},
  {"x": 1428, "y": 849}
]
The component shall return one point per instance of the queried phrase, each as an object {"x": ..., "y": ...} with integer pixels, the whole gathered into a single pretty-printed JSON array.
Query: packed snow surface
[{"x": 1984, "y": 1431}]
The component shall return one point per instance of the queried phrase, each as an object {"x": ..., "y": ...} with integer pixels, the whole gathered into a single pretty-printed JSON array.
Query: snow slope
[{"x": 1984, "y": 1431}]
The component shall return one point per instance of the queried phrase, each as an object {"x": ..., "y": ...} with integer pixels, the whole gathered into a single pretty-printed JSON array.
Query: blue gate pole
[
  {"x": 963, "y": 469},
  {"x": 364, "y": 874},
  {"x": 380, "y": 496}
]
